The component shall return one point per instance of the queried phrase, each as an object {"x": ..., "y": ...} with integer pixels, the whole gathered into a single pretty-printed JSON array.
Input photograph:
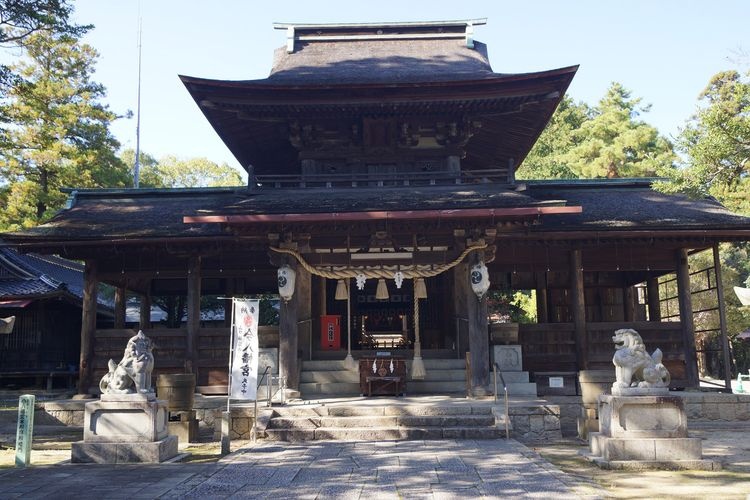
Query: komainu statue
[
  {"x": 133, "y": 373},
  {"x": 633, "y": 366}
]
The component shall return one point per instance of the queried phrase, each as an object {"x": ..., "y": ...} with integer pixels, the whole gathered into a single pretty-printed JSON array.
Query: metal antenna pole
[{"x": 137, "y": 168}]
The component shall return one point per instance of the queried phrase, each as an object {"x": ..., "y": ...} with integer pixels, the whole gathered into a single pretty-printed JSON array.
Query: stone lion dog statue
[
  {"x": 633, "y": 365},
  {"x": 133, "y": 372}
]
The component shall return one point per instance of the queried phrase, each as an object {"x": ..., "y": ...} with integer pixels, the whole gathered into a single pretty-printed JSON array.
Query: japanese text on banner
[{"x": 244, "y": 369}]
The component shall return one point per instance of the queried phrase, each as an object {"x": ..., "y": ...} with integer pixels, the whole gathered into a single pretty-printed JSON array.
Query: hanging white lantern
[
  {"x": 398, "y": 278},
  {"x": 286, "y": 277},
  {"x": 360, "y": 281},
  {"x": 480, "y": 279}
]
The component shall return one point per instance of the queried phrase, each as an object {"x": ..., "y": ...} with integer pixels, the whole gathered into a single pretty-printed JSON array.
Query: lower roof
[{"x": 606, "y": 206}]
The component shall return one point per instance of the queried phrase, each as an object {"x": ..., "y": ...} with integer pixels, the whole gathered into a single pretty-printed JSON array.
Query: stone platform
[
  {"x": 645, "y": 432},
  {"x": 125, "y": 428}
]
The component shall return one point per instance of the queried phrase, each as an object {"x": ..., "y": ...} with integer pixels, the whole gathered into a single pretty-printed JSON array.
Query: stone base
[
  {"x": 185, "y": 430},
  {"x": 636, "y": 465},
  {"x": 640, "y": 391},
  {"x": 125, "y": 418},
  {"x": 654, "y": 449},
  {"x": 124, "y": 453}
]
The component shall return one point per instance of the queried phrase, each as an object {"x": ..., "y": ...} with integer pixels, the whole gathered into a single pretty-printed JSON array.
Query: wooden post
[
  {"x": 193, "y": 314},
  {"x": 119, "y": 307},
  {"x": 628, "y": 303},
  {"x": 722, "y": 319},
  {"x": 578, "y": 308},
  {"x": 542, "y": 315},
  {"x": 652, "y": 291},
  {"x": 229, "y": 290},
  {"x": 303, "y": 294},
  {"x": 145, "y": 312},
  {"x": 479, "y": 343},
  {"x": 686, "y": 317},
  {"x": 291, "y": 315},
  {"x": 88, "y": 326},
  {"x": 461, "y": 291}
]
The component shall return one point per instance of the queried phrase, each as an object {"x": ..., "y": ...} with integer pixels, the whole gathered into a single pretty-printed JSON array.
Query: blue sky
[{"x": 663, "y": 51}]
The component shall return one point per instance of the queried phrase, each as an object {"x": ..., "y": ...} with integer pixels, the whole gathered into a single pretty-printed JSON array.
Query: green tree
[
  {"x": 21, "y": 18},
  {"x": 547, "y": 158},
  {"x": 57, "y": 132},
  {"x": 614, "y": 143},
  {"x": 170, "y": 171},
  {"x": 716, "y": 141}
]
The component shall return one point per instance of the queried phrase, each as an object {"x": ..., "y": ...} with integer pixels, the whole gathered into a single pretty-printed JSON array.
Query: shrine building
[{"x": 381, "y": 161}]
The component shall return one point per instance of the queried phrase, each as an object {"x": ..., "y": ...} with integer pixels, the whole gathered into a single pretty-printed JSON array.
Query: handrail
[
  {"x": 255, "y": 404},
  {"x": 495, "y": 368}
]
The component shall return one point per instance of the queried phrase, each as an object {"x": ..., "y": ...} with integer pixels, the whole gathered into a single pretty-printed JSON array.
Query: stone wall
[{"x": 535, "y": 423}]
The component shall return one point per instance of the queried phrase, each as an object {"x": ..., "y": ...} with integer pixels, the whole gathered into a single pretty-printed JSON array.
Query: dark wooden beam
[
  {"x": 120, "y": 299},
  {"x": 145, "y": 311},
  {"x": 722, "y": 319},
  {"x": 686, "y": 317},
  {"x": 88, "y": 327},
  {"x": 652, "y": 292},
  {"x": 578, "y": 307},
  {"x": 193, "y": 314},
  {"x": 542, "y": 314}
]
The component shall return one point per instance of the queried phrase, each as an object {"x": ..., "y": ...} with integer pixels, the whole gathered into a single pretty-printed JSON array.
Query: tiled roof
[
  {"x": 606, "y": 206},
  {"x": 32, "y": 275}
]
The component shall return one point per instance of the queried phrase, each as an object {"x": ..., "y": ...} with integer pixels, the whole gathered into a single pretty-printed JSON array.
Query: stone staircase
[
  {"x": 331, "y": 378},
  {"x": 376, "y": 423},
  {"x": 517, "y": 382}
]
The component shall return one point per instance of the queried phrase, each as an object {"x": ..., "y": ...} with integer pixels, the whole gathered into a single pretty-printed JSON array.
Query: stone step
[
  {"x": 512, "y": 377},
  {"x": 435, "y": 387},
  {"x": 519, "y": 389},
  {"x": 338, "y": 364},
  {"x": 383, "y": 433},
  {"x": 329, "y": 388},
  {"x": 327, "y": 376},
  {"x": 407, "y": 410},
  {"x": 374, "y": 422}
]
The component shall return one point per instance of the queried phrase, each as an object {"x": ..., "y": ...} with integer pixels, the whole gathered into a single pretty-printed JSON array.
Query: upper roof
[
  {"x": 607, "y": 206},
  {"x": 338, "y": 74},
  {"x": 380, "y": 53}
]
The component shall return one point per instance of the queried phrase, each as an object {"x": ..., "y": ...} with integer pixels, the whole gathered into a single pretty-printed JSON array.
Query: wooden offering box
[{"x": 382, "y": 375}]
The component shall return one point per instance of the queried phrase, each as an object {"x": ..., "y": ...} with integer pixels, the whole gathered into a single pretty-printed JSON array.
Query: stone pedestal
[
  {"x": 592, "y": 384},
  {"x": 184, "y": 425},
  {"x": 125, "y": 428},
  {"x": 645, "y": 432},
  {"x": 509, "y": 360}
]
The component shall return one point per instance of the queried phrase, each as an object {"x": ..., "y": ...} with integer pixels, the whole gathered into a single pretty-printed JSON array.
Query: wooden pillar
[
  {"x": 628, "y": 303},
  {"x": 686, "y": 317},
  {"x": 578, "y": 308},
  {"x": 193, "y": 314},
  {"x": 145, "y": 312},
  {"x": 303, "y": 293},
  {"x": 88, "y": 327},
  {"x": 652, "y": 292},
  {"x": 294, "y": 322},
  {"x": 119, "y": 307},
  {"x": 461, "y": 291},
  {"x": 229, "y": 290},
  {"x": 477, "y": 332},
  {"x": 542, "y": 315},
  {"x": 722, "y": 319}
]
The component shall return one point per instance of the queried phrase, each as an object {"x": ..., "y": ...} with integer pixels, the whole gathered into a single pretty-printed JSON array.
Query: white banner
[{"x": 243, "y": 381}]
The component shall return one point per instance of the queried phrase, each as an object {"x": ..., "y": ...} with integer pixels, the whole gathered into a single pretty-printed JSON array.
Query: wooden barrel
[{"x": 178, "y": 389}]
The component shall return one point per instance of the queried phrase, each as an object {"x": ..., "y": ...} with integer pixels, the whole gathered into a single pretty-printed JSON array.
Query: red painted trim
[{"x": 382, "y": 215}]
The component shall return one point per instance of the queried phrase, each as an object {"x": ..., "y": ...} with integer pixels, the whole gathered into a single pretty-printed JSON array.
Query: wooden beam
[
  {"x": 628, "y": 303},
  {"x": 145, "y": 312},
  {"x": 292, "y": 315},
  {"x": 686, "y": 317},
  {"x": 88, "y": 327},
  {"x": 722, "y": 319},
  {"x": 542, "y": 307},
  {"x": 578, "y": 307},
  {"x": 120, "y": 298},
  {"x": 193, "y": 314},
  {"x": 654, "y": 307}
]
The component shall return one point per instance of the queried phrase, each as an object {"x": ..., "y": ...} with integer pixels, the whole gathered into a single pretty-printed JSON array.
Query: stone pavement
[{"x": 390, "y": 469}]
